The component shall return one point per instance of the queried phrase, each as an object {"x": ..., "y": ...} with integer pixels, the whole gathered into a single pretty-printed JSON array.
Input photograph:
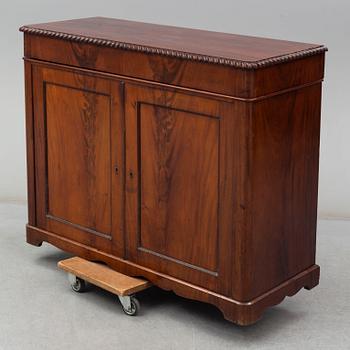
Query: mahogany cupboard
[{"x": 187, "y": 157}]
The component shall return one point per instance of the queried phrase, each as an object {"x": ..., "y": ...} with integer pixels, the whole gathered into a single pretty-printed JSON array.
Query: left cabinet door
[{"x": 78, "y": 132}]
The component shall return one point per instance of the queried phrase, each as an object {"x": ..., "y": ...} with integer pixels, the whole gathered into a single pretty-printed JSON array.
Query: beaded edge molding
[{"x": 175, "y": 53}]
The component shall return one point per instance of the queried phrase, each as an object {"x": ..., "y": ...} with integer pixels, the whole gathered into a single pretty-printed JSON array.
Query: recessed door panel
[
  {"x": 79, "y": 158},
  {"x": 179, "y": 166}
]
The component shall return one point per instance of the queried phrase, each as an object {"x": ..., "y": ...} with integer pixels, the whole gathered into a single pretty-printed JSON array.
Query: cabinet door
[
  {"x": 79, "y": 157},
  {"x": 179, "y": 184}
]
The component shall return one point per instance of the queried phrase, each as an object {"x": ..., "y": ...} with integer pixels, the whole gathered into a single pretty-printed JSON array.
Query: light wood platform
[{"x": 102, "y": 276}]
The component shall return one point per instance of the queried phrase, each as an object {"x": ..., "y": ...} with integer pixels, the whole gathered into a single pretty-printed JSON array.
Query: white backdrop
[{"x": 314, "y": 21}]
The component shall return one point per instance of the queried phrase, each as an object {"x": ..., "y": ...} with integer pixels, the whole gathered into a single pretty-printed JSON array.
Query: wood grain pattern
[
  {"x": 284, "y": 163},
  {"x": 179, "y": 163},
  {"x": 102, "y": 276},
  {"x": 78, "y": 129},
  {"x": 239, "y": 51},
  {"x": 200, "y": 177},
  {"x": 171, "y": 70}
]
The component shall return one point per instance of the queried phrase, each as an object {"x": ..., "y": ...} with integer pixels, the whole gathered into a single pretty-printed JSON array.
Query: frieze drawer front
[{"x": 184, "y": 156}]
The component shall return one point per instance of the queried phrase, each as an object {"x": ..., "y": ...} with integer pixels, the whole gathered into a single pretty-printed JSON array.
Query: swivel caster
[
  {"x": 130, "y": 304},
  {"x": 77, "y": 283}
]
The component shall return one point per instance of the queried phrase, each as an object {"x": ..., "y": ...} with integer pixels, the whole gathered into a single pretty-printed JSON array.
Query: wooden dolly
[{"x": 81, "y": 271}]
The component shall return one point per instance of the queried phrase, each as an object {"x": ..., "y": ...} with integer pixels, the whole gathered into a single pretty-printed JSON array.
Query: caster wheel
[
  {"x": 78, "y": 284},
  {"x": 134, "y": 307}
]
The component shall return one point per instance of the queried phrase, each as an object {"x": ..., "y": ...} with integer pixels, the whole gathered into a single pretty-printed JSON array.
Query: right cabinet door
[{"x": 180, "y": 184}]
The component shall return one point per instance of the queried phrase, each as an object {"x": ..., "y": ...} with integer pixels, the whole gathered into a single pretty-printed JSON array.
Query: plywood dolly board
[{"x": 81, "y": 271}]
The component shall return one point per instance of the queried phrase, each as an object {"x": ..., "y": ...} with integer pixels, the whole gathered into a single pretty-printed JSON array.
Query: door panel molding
[
  {"x": 79, "y": 227},
  {"x": 177, "y": 261}
]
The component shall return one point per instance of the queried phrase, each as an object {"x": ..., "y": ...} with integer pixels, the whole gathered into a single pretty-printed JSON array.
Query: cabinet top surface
[{"x": 200, "y": 45}]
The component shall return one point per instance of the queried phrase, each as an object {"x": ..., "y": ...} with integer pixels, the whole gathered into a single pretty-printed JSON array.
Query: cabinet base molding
[{"x": 241, "y": 313}]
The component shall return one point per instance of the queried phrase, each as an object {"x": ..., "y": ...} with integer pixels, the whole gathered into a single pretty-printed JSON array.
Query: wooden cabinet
[{"x": 184, "y": 156}]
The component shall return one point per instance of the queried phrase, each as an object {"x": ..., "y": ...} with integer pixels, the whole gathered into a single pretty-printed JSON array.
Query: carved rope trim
[{"x": 174, "y": 53}]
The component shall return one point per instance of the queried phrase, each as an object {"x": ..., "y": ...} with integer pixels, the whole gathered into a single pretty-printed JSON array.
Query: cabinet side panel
[{"x": 285, "y": 152}]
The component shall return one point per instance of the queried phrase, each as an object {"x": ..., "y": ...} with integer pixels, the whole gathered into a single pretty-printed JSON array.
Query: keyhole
[
  {"x": 131, "y": 174},
  {"x": 116, "y": 170}
]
